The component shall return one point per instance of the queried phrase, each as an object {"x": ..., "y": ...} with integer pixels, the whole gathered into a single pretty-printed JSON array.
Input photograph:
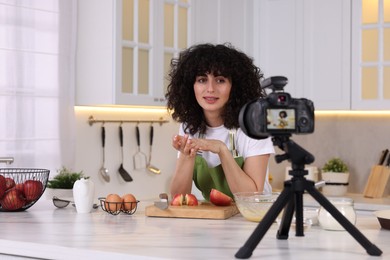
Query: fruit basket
[
  {"x": 114, "y": 208},
  {"x": 20, "y": 188}
]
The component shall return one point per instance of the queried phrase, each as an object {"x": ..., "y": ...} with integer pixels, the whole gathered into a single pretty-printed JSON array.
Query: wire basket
[
  {"x": 20, "y": 188},
  {"x": 114, "y": 208}
]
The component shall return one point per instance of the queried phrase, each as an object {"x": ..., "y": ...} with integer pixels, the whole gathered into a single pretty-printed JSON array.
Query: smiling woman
[{"x": 36, "y": 82}]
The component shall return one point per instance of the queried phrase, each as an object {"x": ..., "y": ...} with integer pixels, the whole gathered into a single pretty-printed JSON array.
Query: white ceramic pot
[
  {"x": 336, "y": 183},
  {"x": 83, "y": 195}
]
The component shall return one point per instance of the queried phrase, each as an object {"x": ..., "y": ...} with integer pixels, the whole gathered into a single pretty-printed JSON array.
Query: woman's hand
[
  {"x": 183, "y": 144},
  {"x": 190, "y": 147},
  {"x": 210, "y": 145}
]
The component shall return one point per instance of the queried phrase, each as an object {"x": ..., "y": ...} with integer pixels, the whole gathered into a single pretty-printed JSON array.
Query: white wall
[
  {"x": 358, "y": 140},
  {"x": 145, "y": 185}
]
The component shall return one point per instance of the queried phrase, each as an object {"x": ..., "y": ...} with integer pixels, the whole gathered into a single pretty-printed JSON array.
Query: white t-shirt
[{"x": 245, "y": 146}]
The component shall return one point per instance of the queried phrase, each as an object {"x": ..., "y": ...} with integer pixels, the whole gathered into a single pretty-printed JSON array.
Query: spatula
[
  {"x": 150, "y": 167},
  {"x": 139, "y": 158},
  {"x": 125, "y": 175}
]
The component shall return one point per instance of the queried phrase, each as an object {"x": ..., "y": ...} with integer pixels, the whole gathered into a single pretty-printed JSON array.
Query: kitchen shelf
[{"x": 92, "y": 120}]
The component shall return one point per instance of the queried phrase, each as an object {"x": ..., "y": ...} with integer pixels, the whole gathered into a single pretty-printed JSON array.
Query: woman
[{"x": 208, "y": 86}]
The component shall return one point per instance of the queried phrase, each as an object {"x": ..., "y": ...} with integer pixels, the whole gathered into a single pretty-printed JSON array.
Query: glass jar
[{"x": 345, "y": 206}]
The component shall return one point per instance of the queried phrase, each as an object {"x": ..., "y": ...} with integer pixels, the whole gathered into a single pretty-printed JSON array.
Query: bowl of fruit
[{"x": 20, "y": 188}]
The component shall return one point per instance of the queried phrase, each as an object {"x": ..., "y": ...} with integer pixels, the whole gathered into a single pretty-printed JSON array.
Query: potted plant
[
  {"x": 61, "y": 185},
  {"x": 335, "y": 173}
]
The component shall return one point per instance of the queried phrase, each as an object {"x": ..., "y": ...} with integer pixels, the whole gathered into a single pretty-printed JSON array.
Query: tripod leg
[
  {"x": 285, "y": 224},
  {"x": 246, "y": 251},
  {"x": 324, "y": 202},
  {"x": 299, "y": 214}
]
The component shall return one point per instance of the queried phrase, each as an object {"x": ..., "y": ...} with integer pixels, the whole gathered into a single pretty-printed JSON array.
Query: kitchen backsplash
[{"x": 357, "y": 139}]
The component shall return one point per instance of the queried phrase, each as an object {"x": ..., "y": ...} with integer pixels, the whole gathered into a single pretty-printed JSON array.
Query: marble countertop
[{"x": 44, "y": 231}]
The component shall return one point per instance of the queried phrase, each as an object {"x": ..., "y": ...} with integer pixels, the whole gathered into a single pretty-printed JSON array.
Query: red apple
[
  {"x": 9, "y": 183},
  {"x": 19, "y": 186},
  {"x": 32, "y": 189},
  {"x": 191, "y": 200},
  {"x": 177, "y": 200},
  {"x": 3, "y": 186},
  {"x": 13, "y": 200},
  {"x": 219, "y": 198}
]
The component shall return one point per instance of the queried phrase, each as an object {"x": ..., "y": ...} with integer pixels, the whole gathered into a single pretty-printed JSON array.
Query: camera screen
[{"x": 280, "y": 119}]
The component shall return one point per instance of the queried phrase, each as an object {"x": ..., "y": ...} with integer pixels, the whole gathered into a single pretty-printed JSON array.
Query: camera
[{"x": 278, "y": 113}]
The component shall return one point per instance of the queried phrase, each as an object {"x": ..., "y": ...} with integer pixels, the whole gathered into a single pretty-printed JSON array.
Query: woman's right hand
[{"x": 183, "y": 144}]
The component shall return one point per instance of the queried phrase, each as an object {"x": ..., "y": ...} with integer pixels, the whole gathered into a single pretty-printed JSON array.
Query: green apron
[{"x": 206, "y": 178}]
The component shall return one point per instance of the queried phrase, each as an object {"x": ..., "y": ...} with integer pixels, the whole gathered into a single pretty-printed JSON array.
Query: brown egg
[
  {"x": 129, "y": 202},
  {"x": 113, "y": 202}
]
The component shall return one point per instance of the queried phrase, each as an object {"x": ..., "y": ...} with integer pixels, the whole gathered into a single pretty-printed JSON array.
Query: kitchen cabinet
[
  {"x": 228, "y": 21},
  {"x": 308, "y": 41},
  {"x": 95, "y": 53},
  {"x": 370, "y": 54},
  {"x": 103, "y": 77}
]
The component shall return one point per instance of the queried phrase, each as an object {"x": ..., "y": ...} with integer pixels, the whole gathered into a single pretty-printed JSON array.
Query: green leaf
[{"x": 65, "y": 179}]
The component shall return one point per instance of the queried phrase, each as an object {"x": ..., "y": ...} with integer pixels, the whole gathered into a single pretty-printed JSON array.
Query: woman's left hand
[{"x": 210, "y": 145}]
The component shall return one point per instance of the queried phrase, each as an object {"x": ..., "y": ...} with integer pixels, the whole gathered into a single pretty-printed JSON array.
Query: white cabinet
[
  {"x": 99, "y": 57},
  {"x": 227, "y": 21},
  {"x": 308, "y": 41},
  {"x": 370, "y": 55},
  {"x": 95, "y": 59}
]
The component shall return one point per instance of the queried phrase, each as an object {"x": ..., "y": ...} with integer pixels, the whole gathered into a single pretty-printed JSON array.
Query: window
[
  {"x": 37, "y": 51},
  {"x": 151, "y": 33},
  {"x": 375, "y": 49}
]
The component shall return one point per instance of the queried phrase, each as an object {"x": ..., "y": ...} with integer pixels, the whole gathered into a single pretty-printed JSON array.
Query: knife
[
  {"x": 163, "y": 203},
  {"x": 383, "y": 156},
  {"x": 388, "y": 161}
]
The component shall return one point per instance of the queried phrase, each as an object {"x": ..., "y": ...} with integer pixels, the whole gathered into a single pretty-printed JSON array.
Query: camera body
[{"x": 277, "y": 114}]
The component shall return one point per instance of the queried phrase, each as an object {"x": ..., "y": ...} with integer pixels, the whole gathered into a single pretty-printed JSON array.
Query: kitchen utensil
[
  {"x": 103, "y": 170},
  {"x": 383, "y": 156},
  {"x": 383, "y": 218},
  {"x": 163, "y": 203},
  {"x": 388, "y": 161},
  {"x": 125, "y": 175},
  {"x": 378, "y": 178},
  {"x": 150, "y": 167},
  {"x": 62, "y": 203},
  {"x": 139, "y": 157},
  {"x": 204, "y": 210}
]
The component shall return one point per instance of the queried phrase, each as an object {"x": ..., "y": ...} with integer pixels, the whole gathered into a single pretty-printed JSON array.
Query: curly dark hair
[{"x": 221, "y": 59}]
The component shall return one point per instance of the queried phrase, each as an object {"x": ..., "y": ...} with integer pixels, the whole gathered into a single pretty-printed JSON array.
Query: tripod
[{"x": 291, "y": 198}]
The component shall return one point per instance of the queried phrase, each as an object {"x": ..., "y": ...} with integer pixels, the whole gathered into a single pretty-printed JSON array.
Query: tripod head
[{"x": 293, "y": 152}]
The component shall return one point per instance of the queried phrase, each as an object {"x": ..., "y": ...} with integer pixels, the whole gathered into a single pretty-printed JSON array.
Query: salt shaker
[
  {"x": 345, "y": 206},
  {"x": 83, "y": 195}
]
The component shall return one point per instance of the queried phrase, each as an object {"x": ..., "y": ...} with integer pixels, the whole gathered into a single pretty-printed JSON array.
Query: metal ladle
[
  {"x": 150, "y": 167},
  {"x": 103, "y": 170}
]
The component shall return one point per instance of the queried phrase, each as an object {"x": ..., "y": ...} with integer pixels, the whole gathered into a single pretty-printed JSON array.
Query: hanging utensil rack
[{"x": 92, "y": 120}]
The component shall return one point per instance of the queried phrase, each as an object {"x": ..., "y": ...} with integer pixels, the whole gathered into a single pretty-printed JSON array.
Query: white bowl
[{"x": 383, "y": 218}]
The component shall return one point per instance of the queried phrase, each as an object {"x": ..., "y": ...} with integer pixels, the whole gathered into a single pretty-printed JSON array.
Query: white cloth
[
  {"x": 245, "y": 146},
  {"x": 37, "y": 68}
]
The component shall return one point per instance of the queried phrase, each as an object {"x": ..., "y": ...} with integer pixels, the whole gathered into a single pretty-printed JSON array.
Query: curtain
[{"x": 37, "y": 81}]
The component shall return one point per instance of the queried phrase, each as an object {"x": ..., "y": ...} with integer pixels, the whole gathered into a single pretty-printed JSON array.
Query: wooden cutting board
[
  {"x": 202, "y": 211},
  {"x": 377, "y": 181}
]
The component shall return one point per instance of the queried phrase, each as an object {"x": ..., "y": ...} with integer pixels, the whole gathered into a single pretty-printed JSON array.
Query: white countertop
[{"x": 44, "y": 231}]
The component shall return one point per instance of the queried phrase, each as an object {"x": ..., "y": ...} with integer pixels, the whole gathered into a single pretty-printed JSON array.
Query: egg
[
  {"x": 129, "y": 202},
  {"x": 113, "y": 202}
]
